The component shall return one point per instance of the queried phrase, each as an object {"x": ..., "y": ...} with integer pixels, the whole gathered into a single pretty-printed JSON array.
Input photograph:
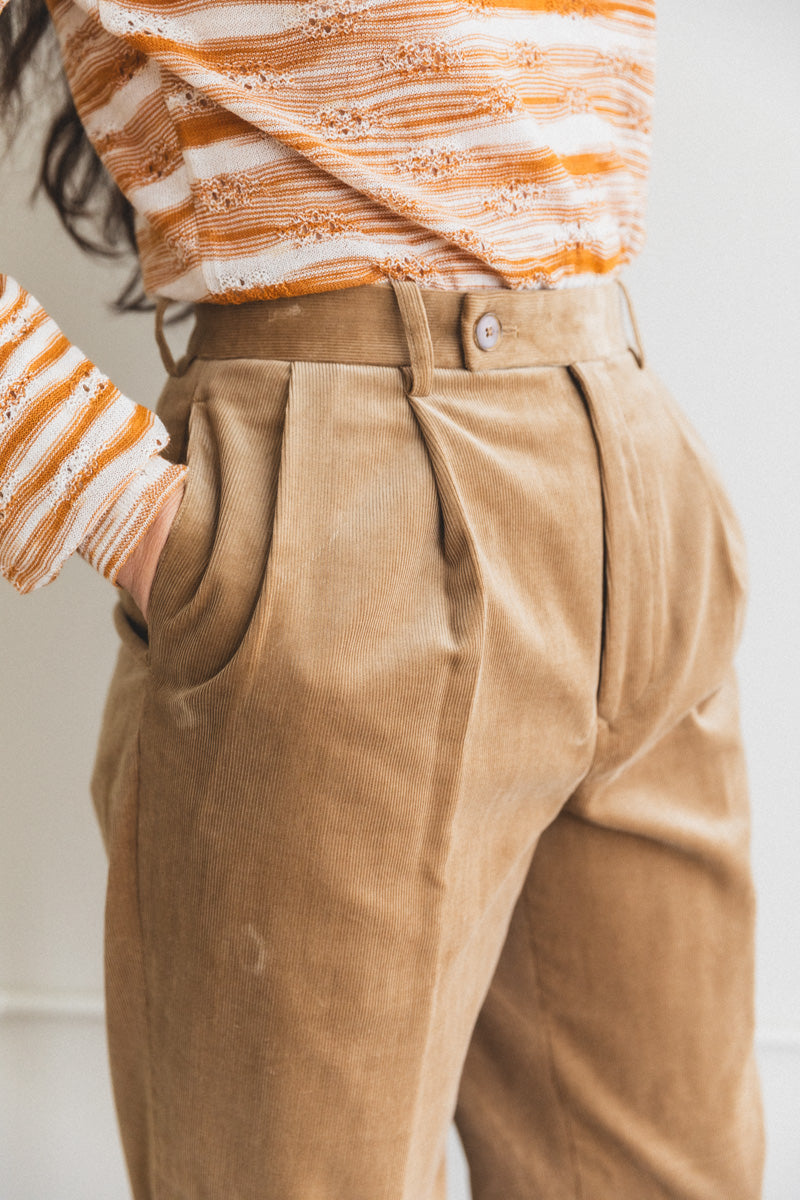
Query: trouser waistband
[{"x": 416, "y": 328}]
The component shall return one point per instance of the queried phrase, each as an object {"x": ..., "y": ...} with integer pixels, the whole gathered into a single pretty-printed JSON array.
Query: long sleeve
[{"x": 80, "y": 468}]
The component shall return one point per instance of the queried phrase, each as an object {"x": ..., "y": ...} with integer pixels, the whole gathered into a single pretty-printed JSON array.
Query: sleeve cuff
[{"x": 119, "y": 530}]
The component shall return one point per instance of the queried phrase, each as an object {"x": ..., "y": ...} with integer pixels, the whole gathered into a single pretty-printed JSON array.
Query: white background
[{"x": 717, "y": 297}]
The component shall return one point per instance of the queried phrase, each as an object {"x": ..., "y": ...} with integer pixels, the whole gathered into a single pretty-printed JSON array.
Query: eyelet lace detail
[
  {"x": 163, "y": 159},
  {"x": 577, "y": 100},
  {"x": 129, "y": 61},
  {"x": 577, "y": 9},
  {"x": 327, "y": 19},
  {"x": 319, "y": 225},
  {"x": 253, "y": 76},
  {"x": 498, "y": 101},
  {"x": 527, "y": 55},
  {"x": 622, "y": 65},
  {"x": 400, "y": 203},
  {"x": 228, "y": 191},
  {"x": 74, "y": 468},
  {"x": 472, "y": 243},
  {"x": 409, "y": 267},
  {"x": 258, "y": 283},
  {"x": 14, "y": 394},
  {"x": 638, "y": 119},
  {"x": 12, "y": 328},
  {"x": 422, "y": 58},
  {"x": 534, "y": 279},
  {"x": 348, "y": 122},
  {"x": 12, "y": 399},
  {"x": 430, "y": 163},
  {"x": 86, "y": 390},
  {"x": 516, "y": 196},
  {"x": 181, "y": 95}
]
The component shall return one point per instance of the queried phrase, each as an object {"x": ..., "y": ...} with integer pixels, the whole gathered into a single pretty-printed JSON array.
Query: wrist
[{"x": 137, "y": 571}]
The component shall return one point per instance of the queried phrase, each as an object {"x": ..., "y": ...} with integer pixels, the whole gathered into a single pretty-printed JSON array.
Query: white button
[{"x": 487, "y": 331}]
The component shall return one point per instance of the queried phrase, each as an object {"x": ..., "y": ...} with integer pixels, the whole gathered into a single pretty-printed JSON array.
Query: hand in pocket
[{"x": 137, "y": 572}]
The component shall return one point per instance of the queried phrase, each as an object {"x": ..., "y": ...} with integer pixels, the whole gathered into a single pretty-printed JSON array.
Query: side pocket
[
  {"x": 185, "y": 551},
  {"x": 720, "y": 497},
  {"x": 211, "y": 569}
]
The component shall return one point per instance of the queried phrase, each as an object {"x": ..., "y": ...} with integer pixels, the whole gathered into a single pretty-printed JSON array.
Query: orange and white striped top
[{"x": 272, "y": 148}]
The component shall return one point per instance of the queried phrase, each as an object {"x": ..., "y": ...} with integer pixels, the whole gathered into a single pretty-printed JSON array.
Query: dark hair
[{"x": 71, "y": 173}]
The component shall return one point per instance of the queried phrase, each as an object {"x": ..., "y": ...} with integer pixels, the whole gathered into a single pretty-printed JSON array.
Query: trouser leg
[{"x": 613, "y": 1056}]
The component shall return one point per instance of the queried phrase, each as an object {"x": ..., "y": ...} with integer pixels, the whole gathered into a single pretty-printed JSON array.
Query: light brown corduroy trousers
[{"x": 423, "y": 786}]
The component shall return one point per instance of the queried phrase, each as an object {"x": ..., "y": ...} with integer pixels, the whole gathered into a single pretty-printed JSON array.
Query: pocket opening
[{"x": 184, "y": 556}]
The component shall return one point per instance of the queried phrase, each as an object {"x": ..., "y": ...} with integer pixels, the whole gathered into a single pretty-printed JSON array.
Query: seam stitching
[
  {"x": 573, "y": 1150},
  {"x": 155, "y": 1173}
]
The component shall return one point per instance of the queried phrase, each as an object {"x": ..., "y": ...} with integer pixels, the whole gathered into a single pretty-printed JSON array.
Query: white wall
[{"x": 718, "y": 303}]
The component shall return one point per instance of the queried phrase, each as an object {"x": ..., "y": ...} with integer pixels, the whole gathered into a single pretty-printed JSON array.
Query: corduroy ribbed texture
[{"x": 423, "y": 788}]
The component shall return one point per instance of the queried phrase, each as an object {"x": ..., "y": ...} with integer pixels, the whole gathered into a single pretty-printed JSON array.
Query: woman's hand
[{"x": 136, "y": 573}]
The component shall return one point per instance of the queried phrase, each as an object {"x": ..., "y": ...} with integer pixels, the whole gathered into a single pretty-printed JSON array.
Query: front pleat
[
  {"x": 630, "y": 586},
  {"x": 367, "y": 508}
]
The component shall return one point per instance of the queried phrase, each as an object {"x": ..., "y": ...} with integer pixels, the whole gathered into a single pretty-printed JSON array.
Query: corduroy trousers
[{"x": 423, "y": 786}]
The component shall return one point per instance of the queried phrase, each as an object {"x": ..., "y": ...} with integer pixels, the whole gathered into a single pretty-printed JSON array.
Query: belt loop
[
  {"x": 419, "y": 377},
  {"x": 170, "y": 365},
  {"x": 638, "y": 352}
]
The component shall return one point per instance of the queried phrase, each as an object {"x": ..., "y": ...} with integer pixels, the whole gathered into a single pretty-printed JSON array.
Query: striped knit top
[{"x": 271, "y": 149}]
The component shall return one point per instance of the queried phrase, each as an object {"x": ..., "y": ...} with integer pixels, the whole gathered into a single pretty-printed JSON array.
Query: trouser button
[{"x": 488, "y": 331}]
